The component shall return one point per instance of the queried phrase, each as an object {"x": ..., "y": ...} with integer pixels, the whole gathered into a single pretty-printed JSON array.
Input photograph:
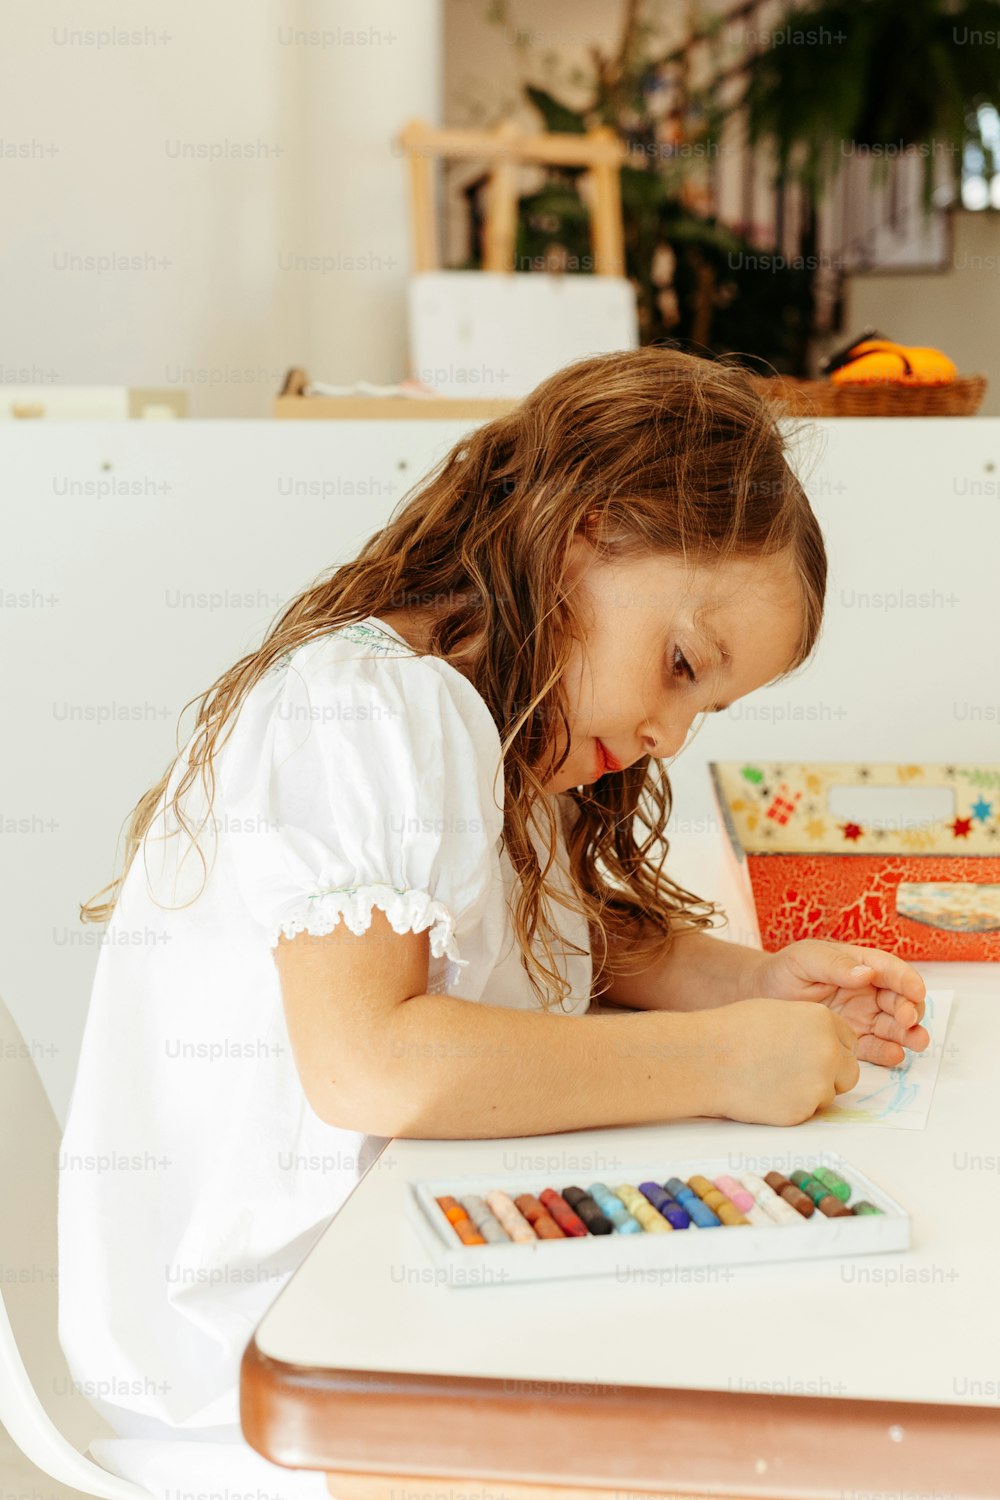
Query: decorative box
[{"x": 901, "y": 857}]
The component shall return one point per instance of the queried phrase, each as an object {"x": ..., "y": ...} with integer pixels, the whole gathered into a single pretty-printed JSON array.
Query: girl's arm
[
  {"x": 698, "y": 972},
  {"x": 877, "y": 993},
  {"x": 375, "y": 1053}
]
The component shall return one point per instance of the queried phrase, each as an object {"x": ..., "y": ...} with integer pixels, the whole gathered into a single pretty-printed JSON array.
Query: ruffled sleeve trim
[{"x": 407, "y": 911}]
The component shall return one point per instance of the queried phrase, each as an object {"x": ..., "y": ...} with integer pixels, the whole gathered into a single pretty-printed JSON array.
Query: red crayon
[
  {"x": 569, "y": 1222},
  {"x": 538, "y": 1217}
]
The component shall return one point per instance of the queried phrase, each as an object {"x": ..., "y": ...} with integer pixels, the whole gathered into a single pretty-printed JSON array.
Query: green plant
[
  {"x": 879, "y": 77},
  {"x": 697, "y": 282}
]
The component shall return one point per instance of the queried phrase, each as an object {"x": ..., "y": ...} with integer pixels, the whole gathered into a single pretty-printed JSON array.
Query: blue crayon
[
  {"x": 678, "y": 1216},
  {"x": 612, "y": 1206},
  {"x": 662, "y": 1201},
  {"x": 700, "y": 1212}
]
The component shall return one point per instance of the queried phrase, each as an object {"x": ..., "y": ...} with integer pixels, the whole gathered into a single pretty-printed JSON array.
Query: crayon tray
[{"x": 616, "y": 1254}]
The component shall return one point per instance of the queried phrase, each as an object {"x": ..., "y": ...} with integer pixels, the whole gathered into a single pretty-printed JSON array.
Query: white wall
[
  {"x": 97, "y": 134},
  {"x": 957, "y": 309},
  {"x": 121, "y": 603},
  {"x": 356, "y": 196}
]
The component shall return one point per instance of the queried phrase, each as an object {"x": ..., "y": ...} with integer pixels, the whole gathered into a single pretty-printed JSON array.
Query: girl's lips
[{"x": 605, "y": 760}]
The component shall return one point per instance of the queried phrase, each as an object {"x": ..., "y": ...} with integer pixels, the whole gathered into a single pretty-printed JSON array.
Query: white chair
[{"x": 50, "y": 1421}]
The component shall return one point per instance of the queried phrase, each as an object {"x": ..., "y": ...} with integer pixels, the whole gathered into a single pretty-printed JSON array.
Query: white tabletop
[{"x": 920, "y": 1325}]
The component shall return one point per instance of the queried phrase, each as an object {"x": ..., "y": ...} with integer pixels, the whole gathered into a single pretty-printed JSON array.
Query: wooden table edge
[{"x": 372, "y": 1428}]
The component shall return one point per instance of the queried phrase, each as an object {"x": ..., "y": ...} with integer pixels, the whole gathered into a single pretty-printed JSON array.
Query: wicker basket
[{"x": 821, "y": 398}]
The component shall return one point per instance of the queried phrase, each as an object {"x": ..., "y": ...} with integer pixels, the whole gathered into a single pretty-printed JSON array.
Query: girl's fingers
[
  {"x": 874, "y": 1049},
  {"x": 887, "y": 972},
  {"x": 889, "y": 1028},
  {"x": 886, "y": 1041},
  {"x": 904, "y": 1009},
  {"x": 917, "y": 1039},
  {"x": 846, "y": 1034}
]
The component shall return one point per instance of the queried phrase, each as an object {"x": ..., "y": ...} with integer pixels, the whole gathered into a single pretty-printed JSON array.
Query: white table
[{"x": 867, "y": 1374}]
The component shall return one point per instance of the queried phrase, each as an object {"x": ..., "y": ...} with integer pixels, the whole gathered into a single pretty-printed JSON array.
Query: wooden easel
[{"x": 599, "y": 150}]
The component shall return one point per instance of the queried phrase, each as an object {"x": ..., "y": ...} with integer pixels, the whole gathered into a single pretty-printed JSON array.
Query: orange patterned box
[{"x": 905, "y": 858}]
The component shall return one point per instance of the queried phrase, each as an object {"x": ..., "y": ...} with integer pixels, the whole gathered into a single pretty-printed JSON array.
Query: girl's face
[{"x": 666, "y": 641}]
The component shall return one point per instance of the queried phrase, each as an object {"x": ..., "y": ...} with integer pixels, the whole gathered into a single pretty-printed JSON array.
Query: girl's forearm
[
  {"x": 699, "y": 972},
  {"x": 442, "y": 1067}
]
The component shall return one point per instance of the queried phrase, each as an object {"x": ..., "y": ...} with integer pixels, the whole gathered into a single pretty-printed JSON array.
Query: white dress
[{"x": 194, "y": 1176}]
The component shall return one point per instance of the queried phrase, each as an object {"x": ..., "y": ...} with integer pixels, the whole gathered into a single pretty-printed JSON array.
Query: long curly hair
[{"x": 651, "y": 451}]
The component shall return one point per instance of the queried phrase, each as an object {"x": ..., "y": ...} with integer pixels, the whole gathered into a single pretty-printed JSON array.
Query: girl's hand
[
  {"x": 880, "y": 996},
  {"x": 771, "y": 1065}
]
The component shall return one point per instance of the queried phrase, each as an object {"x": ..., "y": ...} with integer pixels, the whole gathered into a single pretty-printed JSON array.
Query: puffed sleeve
[{"x": 361, "y": 782}]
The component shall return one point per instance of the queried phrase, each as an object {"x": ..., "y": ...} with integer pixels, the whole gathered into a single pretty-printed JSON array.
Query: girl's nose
[{"x": 668, "y": 741}]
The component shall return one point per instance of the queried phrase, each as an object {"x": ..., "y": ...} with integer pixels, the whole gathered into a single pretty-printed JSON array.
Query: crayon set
[{"x": 528, "y": 1228}]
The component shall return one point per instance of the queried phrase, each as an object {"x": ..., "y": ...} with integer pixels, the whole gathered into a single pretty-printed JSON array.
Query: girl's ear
[
  {"x": 580, "y": 556},
  {"x": 584, "y": 543}
]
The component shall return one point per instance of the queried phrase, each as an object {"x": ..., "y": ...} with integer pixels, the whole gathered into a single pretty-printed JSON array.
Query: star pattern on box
[
  {"x": 917, "y": 840},
  {"x": 800, "y": 811},
  {"x": 783, "y": 805},
  {"x": 980, "y": 777}
]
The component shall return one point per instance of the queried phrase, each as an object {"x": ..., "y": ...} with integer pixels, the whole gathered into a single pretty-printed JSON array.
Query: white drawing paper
[{"x": 899, "y": 1097}]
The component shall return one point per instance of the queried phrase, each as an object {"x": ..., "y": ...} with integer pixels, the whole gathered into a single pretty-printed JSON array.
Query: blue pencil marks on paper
[{"x": 900, "y": 1096}]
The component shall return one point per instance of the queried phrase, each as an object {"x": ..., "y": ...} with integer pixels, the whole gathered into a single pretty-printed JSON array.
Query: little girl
[{"x": 410, "y": 839}]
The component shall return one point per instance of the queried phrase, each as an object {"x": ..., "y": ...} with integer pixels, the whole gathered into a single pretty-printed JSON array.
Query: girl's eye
[{"x": 682, "y": 667}]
